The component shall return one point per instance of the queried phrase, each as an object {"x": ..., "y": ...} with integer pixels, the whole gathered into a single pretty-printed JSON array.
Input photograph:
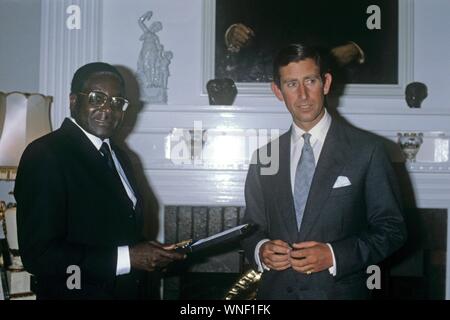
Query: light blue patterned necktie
[{"x": 303, "y": 177}]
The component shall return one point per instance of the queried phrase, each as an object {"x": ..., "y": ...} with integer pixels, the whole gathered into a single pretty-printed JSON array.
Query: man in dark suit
[
  {"x": 332, "y": 208},
  {"x": 78, "y": 204}
]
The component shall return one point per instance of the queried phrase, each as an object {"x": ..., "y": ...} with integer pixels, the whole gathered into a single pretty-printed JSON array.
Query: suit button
[
  {"x": 130, "y": 216},
  {"x": 289, "y": 289}
]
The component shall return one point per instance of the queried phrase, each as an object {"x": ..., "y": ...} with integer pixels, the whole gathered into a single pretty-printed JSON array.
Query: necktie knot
[{"x": 306, "y": 136}]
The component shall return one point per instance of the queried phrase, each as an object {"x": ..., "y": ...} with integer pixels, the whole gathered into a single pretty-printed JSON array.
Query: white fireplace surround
[{"x": 63, "y": 51}]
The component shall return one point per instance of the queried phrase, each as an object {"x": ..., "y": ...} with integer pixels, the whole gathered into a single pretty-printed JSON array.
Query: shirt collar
[
  {"x": 96, "y": 141},
  {"x": 318, "y": 132}
]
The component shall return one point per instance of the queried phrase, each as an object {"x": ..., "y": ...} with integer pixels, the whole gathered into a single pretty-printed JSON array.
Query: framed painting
[{"x": 378, "y": 32}]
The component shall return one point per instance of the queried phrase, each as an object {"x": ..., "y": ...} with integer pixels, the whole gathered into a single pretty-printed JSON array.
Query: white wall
[
  {"x": 19, "y": 45},
  {"x": 431, "y": 51},
  {"x": 181, "y": 34}
]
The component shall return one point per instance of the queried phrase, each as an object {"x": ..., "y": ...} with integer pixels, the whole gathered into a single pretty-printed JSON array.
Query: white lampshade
[{"x": 24, "y": 117}]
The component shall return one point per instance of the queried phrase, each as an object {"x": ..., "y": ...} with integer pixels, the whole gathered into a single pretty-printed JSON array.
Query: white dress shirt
[
  {"x": 318, "y": 134},
  {"x": 123, "y": 252}
]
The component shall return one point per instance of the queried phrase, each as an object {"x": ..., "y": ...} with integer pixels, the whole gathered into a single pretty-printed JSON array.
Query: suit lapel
[
  {"x": 330, "y": 164},
  {"x": 127, "y": 169},
  {"x": 283, "y": 181},
  {"x": 126, "y": 166}
]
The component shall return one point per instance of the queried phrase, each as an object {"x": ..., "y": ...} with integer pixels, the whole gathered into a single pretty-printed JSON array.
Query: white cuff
[
  {"x": 123, "y": 260},
  {"x": 332, "y": 269},
  {"x": 259, "y": 263}
]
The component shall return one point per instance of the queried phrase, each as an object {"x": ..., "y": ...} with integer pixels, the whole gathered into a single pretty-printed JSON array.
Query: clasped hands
[
  {"x": 306, "y": 257},
  {"x": 152, "y": 255}
]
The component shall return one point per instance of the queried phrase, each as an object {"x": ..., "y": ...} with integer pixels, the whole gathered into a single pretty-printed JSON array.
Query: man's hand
[
  {"x": 238, "y": 36},
  {"x": 310, "y": 256},
  {"x": 153, "y": 255},
  {"x": 275, "y": 254}
]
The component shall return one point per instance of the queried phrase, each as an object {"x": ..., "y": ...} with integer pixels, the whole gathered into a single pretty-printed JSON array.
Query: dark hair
[
  {"x": 297, "y": 52},
  {"x": 86, "y": 71}
]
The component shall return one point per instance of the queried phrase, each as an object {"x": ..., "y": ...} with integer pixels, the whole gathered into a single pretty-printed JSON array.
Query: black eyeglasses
[{"x": 99, "y": 99}]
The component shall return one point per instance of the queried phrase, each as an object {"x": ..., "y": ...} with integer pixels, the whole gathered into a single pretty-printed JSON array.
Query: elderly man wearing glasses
[{"x": 79, "y": 210}]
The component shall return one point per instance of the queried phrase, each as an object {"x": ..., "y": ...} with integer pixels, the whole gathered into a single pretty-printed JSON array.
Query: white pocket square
[{"x": 341, "y": 181}]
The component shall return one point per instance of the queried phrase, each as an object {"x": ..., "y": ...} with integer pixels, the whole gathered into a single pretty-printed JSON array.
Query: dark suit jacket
[
  {"x": 72, "y": 210},
  {"x": 363, "y": 222}
]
